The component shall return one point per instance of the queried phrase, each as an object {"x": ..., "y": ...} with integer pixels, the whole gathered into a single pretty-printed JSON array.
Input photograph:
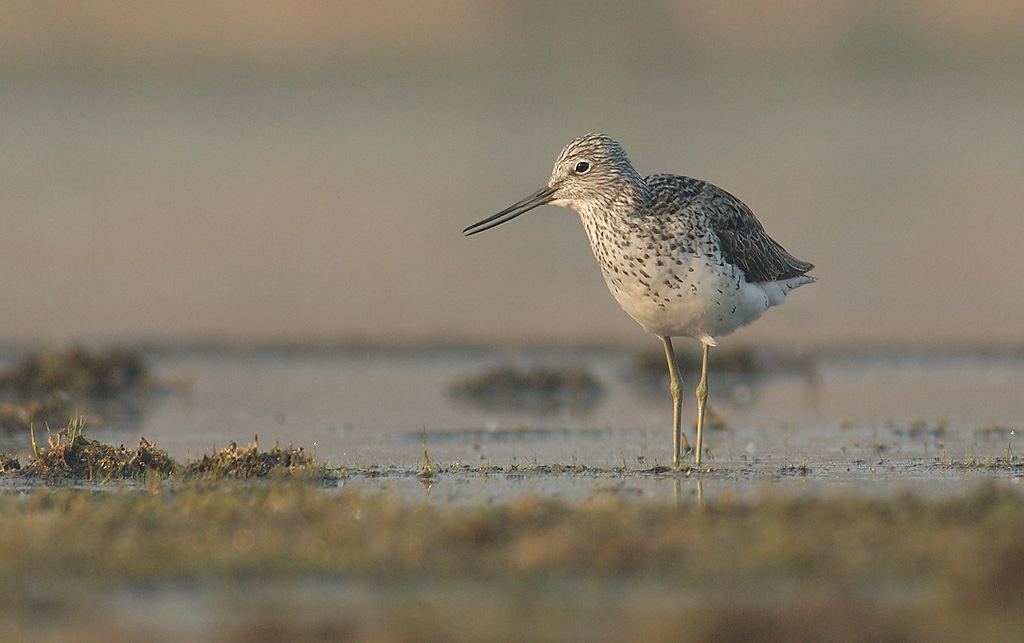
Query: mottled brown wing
[{"x": 744, "y": 241}]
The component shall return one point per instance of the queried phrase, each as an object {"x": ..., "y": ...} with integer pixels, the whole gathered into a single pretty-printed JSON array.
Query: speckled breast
[{"x": 673, "y": 282}]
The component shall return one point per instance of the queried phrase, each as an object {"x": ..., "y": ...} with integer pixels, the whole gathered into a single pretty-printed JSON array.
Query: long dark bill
[{"x": 537, "y": 198}]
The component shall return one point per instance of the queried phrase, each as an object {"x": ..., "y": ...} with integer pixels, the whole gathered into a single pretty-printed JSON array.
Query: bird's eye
[{"x": 582, "y": 167}]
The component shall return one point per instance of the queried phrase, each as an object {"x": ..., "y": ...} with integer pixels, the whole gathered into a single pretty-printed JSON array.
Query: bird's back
[{"x": 741, "y": 237}]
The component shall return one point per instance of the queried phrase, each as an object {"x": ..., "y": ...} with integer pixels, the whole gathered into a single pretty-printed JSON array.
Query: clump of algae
[
  {"x": 46, "y": 387},
  {"x": 23, "y": 415},
  {"x": 249, "y": 462},
  {"x": 76, "y": 371},
  {"x": 70, "y": 455},
  {"x": 9, "y": 462},
  {"x": 539, "y": 389}
]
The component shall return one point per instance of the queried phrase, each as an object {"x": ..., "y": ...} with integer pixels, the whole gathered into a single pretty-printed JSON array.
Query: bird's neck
[
  {"x": 625, "y": 198},
  {"x": 634, "y": 195},
  {"x": 614, "y": 219}
]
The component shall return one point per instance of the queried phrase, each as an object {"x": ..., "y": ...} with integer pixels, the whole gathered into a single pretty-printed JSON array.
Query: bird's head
[{"x": 591, "y": 171}]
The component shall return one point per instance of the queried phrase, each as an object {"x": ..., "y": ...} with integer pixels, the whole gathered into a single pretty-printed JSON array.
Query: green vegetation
[{"x": 790, "y": 569}]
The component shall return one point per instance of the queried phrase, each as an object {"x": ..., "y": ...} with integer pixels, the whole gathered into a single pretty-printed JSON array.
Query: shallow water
[{"x": 872, "y": 423}]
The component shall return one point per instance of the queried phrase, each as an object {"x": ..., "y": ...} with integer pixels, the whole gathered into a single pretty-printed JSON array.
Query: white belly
[
  {"x": 702, "y": 300},
  {"x": 674, "y": 283}
]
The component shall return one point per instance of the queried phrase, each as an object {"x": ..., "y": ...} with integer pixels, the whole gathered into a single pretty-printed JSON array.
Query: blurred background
[{"x": 300, "y": 172}]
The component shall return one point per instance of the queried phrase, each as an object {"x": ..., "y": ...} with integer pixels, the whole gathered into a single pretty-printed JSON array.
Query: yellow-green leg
[
  {"x": 702, "y": 402},
  {"x": 679, "y": 441}
]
